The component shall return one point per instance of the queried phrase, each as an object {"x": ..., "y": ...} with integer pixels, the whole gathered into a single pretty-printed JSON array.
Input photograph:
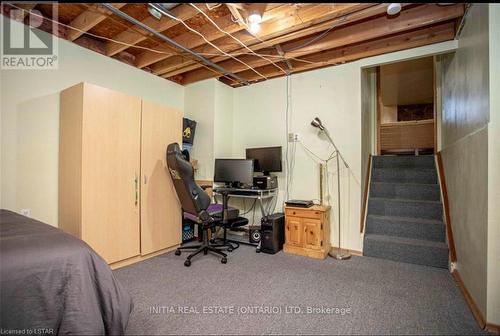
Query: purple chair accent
[{"x": 214, "y": 209}]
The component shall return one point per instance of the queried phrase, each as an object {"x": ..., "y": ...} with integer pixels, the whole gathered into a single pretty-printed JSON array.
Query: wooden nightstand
[{"x": 307, "y": 231}]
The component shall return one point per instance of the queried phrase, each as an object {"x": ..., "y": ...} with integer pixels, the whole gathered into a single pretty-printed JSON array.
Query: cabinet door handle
[
  {"x": 145, "y": 179},
  {"x": 136, "y": 180}
]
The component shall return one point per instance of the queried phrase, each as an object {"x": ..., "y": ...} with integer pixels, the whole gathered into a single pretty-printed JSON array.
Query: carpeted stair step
[
  {"x": 425, "y": 229},
  {"x": 403, "y": 161},
  {"x": 413, "y": 251},
  {"x": 405, "y": 208},
  {"x": 405, "y": 175},
  {"x": 413, "y": 191}
]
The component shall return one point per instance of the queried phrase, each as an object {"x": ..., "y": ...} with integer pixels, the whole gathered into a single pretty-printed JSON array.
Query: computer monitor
[
  {"x": 234, "y": 171},
  {"x": 266, "y": 159}
]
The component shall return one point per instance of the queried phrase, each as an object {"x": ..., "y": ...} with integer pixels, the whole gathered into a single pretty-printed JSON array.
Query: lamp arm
[{"x": 334, "y": 146}]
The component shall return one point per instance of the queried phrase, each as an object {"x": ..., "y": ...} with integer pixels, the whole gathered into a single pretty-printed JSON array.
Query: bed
[{"x": 54, "y": 283}]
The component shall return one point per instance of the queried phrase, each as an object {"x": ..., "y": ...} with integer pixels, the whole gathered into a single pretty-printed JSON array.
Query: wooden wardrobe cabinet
[
  {"x": 307, "y": 231},
  {"x": 115, "y": 192}
]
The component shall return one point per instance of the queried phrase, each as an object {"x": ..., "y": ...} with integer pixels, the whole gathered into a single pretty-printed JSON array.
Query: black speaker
[
  {"x": 254, "y": 234},
  {"x": 273, "y": 233}
]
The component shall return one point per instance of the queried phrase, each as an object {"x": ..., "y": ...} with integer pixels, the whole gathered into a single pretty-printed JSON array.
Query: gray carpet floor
[{"x": 253, "y": 294}]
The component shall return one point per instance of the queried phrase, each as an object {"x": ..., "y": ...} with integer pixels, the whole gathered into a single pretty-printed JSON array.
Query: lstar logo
[{"x": 23, "y": 45}]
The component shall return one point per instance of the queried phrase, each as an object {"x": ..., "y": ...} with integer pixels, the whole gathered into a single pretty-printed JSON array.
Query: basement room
[{"x": 249, "y": 168}]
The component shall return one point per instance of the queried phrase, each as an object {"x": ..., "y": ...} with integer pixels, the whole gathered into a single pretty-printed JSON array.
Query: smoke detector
[{"x": 393, "y": 8}]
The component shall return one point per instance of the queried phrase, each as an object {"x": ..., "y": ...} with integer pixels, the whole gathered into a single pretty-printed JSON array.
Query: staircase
[{"x": 405, "y": 215}]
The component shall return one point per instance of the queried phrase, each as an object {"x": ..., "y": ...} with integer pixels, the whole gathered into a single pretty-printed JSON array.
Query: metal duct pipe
[
  {"x": 169, "y": 6},
  {"x": 173, "y": 43}
]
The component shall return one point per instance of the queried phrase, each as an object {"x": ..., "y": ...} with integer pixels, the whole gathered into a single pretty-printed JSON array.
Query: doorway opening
[{"x": 406, "y": 113}]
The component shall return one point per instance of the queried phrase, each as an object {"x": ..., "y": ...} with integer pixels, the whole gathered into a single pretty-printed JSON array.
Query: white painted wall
[
  {"x": 199, "y": 105},
  {"x": 210, "y": 104},
  {"x": 493, "y": 306},
  {"x": 30, "y": 121},
  {"x": 465, "y": 116},
  {"x": 223, "y": 121},
  {"x": 334, "y": 95}
]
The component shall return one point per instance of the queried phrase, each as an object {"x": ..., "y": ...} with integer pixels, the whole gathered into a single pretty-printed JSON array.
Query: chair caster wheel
[
  {"x": 187, "y": 263},
  {"x": 230, "y": 249},
  {"x": 257, "y": 250},
  {"x": 177, "y": 252},
  {"x": 224, "y": 260}
]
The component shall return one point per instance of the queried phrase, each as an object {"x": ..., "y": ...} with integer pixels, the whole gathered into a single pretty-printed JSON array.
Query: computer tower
[{"x": 273, "y": 233}]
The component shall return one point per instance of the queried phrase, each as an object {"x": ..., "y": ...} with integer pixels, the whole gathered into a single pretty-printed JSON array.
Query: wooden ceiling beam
[
  {"x": 131, "y": 36},
  {"x": 357, "y": 16},
  {"x": 86, "y": 21},
  {"x": 412, "y": 18},
  {"x": 190, "y": 40},
  {"x": 343, "y": 36},
  {"x": 420, "y": 37},
  {"x": 314, "y": 19},
  {"x": 209, "y": 31}
]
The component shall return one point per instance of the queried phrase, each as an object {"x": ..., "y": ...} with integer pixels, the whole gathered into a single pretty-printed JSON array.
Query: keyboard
[{"x": 243, "y": 192}]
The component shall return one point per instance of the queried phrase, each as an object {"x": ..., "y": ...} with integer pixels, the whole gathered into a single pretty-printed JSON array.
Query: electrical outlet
[
  {"x": 26, "y": 212},
  {"x": 293, "y": 137}
]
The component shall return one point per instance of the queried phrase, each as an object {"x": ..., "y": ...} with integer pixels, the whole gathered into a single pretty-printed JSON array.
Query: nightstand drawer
[{"x": 304, "y": 213}]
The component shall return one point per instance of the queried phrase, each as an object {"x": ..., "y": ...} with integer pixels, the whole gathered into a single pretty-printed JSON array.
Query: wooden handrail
[
  {"x": 365, "y": 196},
  {"x": 446, "y": 208}
]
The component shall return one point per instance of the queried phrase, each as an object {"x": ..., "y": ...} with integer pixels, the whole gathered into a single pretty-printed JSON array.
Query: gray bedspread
[{"x": 54, "y": 283}]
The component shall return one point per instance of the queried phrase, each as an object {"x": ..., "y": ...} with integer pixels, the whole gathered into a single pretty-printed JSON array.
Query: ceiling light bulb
[
  {"x": 254, "y": 28},
  {"x": 255, "y": 18},
  {"x": 393, "y": 8}
]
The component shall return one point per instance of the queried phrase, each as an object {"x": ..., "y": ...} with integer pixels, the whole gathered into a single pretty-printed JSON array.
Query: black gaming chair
[{"x": 194, "y": 201}]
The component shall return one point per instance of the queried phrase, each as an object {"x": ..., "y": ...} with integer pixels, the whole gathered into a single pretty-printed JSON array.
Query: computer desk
[{"x": 258, "y": 194}]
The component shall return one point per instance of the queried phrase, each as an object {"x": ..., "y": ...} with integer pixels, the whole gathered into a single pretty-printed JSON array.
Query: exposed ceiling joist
[
  {"x": 132, "y": 36},
  {"x": 166, "y": 39},
  {"x": 86, "y": 21},
  {"x": 314, "y": 18},
  {"x": 293, "y": 36},
  {"x": 412, "y": 39},
  {"x": 346, "y": 35},
  {"x": 191, "y": 40}
]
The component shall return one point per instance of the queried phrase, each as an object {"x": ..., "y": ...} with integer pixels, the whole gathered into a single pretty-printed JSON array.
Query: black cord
[
  {"x": 253, "y": 216},
  {"x": 252, "y": 207},
  {"x": 316, "y": 38}
]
